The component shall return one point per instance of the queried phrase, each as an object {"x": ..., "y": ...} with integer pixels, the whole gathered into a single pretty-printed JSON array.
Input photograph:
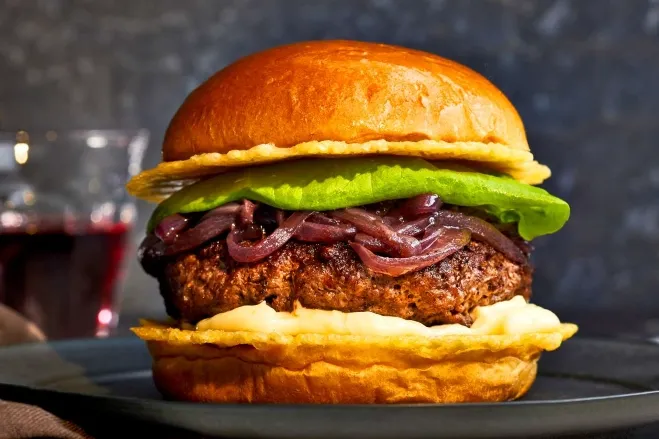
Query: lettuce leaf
[{"x": 326, "y": 184}]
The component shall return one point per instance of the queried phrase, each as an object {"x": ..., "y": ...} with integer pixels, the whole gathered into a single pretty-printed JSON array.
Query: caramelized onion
[
  {"x": 420, "y": 205},
  {"x": 373, "y": 225},
  {"x": 352, "y": 214},
  {"x": 380, "y": 209},
  {"x": 313, "y": 232},
  {"x": 149, "y": 253},
  {"x": 429, "y": 237},
  {"x": 227, "y": 209},
  {"x": 392, "y": 220},
  {"x": 247, "y": 212},
  {"x": 413, "y": 228},
  {"x": 483, "y": 231},
  {"x": 267, "y": 246},
  {"x": 169, "y": 228},
  {"x": 448, "y": 243},
  {"x": 251, "y": 232},
  {"x": 324, "y": 219},
  {"x": 202, "y": 232},
  {"x": 373, "y": 244},
  {"x": 392, "y": 238}
]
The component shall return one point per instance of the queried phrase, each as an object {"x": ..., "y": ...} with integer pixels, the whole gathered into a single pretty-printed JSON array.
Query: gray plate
[{"x": 586, "y": 386}]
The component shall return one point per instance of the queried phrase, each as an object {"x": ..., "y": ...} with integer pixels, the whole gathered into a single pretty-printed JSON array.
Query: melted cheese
[{"x": 514, "y": 316}]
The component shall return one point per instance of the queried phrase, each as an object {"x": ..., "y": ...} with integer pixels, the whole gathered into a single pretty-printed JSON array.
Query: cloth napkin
[
  {"x": 22, "y": 421},
  {"x": 19, "y": 421}
]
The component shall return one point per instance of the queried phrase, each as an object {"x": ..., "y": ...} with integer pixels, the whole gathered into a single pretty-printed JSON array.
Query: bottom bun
[
  {"x": 231, "y": 379},
  {"x": 240, "y": 367}
]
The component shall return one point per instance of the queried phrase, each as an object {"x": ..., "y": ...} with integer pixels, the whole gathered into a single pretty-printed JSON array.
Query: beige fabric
[
  {"x": 18, "y": 421},
  {"x": 15, "y": 329}
]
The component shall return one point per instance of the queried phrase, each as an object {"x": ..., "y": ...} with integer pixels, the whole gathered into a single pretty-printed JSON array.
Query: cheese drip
[{"x": 514, "y": 316}]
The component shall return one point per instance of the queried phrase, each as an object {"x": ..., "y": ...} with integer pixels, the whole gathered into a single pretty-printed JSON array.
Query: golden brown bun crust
[
  {"x": 341, "y": 91},
  {"x": 259, "y": 367},
  {"x": 232, "y": 379}
]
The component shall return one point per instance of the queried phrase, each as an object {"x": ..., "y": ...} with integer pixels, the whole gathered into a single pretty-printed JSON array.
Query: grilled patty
[{"x": 207, "y": 281}]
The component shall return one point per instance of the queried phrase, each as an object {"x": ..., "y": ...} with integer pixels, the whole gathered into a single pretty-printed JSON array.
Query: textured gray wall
[{"x": 584, "y": 75}]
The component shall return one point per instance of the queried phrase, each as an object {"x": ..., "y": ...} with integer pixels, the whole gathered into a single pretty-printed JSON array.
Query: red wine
[{"x": 63, "y": 280}]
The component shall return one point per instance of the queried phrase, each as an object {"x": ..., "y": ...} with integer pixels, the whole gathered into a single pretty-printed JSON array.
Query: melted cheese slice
[{"x": 514, "y": 316}]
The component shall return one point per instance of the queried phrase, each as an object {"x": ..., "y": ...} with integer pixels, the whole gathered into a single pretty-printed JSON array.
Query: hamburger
[{"x": 344, "y": 222}]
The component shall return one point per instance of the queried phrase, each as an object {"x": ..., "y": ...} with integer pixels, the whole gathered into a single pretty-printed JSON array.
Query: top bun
[
  {"x": 343, "y": 91},
  {"x": 323, "y": 99}
]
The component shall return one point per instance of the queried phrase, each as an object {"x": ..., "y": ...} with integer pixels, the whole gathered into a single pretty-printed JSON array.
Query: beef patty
[{"x": 207, "y": 281}]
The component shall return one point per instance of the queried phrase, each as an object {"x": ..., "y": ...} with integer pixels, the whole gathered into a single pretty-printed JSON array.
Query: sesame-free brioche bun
[
  {"x": 344, "y": 91},
  {"x": 337, "y": 98},
  {"x": 243, "y": 367}
]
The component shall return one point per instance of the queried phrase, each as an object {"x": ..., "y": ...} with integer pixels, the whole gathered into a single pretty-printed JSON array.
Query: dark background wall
[{"x": 584, "y": 75}]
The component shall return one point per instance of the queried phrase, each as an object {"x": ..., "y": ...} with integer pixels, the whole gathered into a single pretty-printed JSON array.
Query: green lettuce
[{"x": 326, "y": 184}]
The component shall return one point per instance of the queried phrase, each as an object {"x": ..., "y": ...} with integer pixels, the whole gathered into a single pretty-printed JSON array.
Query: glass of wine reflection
[{"x": 65, "y": 226}]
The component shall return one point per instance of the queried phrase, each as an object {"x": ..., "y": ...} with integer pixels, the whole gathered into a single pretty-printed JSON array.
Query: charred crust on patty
[{"x": 207, "y": 281}]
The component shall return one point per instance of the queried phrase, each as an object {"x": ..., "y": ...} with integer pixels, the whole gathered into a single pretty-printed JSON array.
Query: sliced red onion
[
  {"x": 373, "y": 225},
  {"x": 169, "y": 228},
  {"x": 202, "y": 232},
  {"x": 383, "y": 238},
  {"x": 149, "y": 253},
  {"x": 324, "y": 219},
  {"x": 251, "y": 232},
  {"x": 355, "y": 213},
  {"x": 420, "y": 205},
  {"x": 373, "y": 244},
  {"x": 392, "y": 220},
  {"x": 267, "y": 246},
  {"x": 279, "y": 214},
  {"x": 451, "y": 241},
  {"x": 429, "y": 237},
  {"x": 482, "y": 231},
  {"x": 380, "y": 209},
  {"x": 414, "y": 227},
  {"x": 226, "y": 209},
  {"x": 313, "y": 232},
  {"x": 247, "y": 212},
  {"x": 448, "y": 234}
]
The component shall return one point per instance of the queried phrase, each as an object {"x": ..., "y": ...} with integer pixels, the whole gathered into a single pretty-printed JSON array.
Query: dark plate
[{"x": 586, "y": 386}]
